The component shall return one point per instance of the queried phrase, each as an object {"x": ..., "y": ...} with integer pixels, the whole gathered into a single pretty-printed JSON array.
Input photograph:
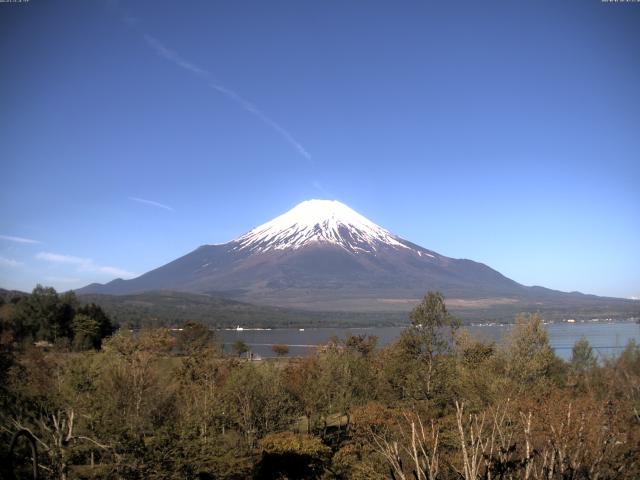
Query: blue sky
[{"x": 504, "y": 132}]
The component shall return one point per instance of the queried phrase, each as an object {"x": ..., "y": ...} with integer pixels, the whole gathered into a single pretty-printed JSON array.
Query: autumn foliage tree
[{"x": 438, "y": 404}]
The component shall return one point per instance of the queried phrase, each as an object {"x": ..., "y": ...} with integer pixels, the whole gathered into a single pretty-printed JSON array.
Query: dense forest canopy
[
  {"x": 436, "y": 404},
  {"x": 45, "y": 316}
]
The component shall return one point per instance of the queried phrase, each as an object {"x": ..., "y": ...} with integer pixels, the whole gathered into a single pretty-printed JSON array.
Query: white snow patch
[{"x": 327, "y": 221}]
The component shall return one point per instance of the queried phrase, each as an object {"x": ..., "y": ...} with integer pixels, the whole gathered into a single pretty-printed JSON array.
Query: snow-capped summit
[{"x": 319, "y": 221}]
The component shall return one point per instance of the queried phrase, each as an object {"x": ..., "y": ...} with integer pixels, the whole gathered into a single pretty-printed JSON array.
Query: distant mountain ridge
[{"x": 322, "y": 255}]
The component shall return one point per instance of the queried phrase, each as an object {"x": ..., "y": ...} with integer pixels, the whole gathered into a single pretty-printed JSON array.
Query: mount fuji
[{"x": 322, "y": 255}]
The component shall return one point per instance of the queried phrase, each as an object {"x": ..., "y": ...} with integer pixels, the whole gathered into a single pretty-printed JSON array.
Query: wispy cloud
[
  {"x": 152, "y": 203},
  {"x": 115, "y": 271},
  {"x": 9, "y": 262},
  {"x": 9, "y": 238},
  {"x": 84, "y": 264},
  {"x": 63, "y": 279},
  {"x": 58, "y": 258},
  {"x": 176, "y": 59},
  {"x": 318, "y": 186}
]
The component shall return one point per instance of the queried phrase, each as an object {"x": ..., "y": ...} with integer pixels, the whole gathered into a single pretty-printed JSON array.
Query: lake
[{"x": 607, "y": 338}]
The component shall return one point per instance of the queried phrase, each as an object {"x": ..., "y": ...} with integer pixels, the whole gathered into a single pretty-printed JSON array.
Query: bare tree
[
  {"x": 57, "y": 439},
  {"x": 412, "y": 442},
  {"x": 472, "y": 442}
]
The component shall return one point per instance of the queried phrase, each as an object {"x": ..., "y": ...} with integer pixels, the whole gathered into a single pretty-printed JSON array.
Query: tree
[
  {"x": 8, "y": 323},
  {"x": 432, "y": 327},
  {"x": 428, "y": 339},
  {"x": 106, "y": 327},
  {"x": 240, "y": 347},
  {"x": 280, "y": 350},
  {"x": 257, "y": 401},
  {"x": 408, "y": 445},
  {"x": 194, "y": 338},
  {"x": 582, "y": 357},
  {"x": 363, "y": 344},
  {"x": 133, "y": 380},
  {"x": 475, "y": 377},
  {"x": 43, "y": 315},
  {"x": 200, "y": 377},
  {"x": 471, "y": 350},
  {"x": 345, "y": 380},
  {"x": 527, "y": 356},
  {"x": 630, "y": 356},
  {"x": 86, "y": 332},
  {"x": 57, "y": 436},
  {"x": 304, "y": 382}
]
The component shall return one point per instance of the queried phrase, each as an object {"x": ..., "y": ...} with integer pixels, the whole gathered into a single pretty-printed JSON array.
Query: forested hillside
[{"x": 171, "y": 309}]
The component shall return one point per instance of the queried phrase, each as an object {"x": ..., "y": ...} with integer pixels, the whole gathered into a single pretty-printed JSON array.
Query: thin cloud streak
[
  {"x": 173, "y": 56},
  {"x": 63, "y": 279},
  {"x": 9, "y": 238},
  {"x": 58, "y": 258},
  {"x": 84, "y": 264},
  {"x": 318, "y": 186},
  {"x": 176, "y": 59},
  {"x": 251, "y": 108},
  {"x": 152, "y": 203}
]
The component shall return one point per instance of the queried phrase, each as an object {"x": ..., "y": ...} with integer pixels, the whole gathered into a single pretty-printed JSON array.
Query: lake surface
[{"x": 607, "y": 338}]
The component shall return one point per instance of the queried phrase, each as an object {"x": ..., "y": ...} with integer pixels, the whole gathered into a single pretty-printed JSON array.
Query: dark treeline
[
  {"x": 436, "y": 404},
  {"x": 53, "y": 319}
]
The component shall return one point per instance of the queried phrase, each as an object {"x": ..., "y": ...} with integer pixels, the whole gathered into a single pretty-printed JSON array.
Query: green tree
[
  {"x": 475, "y": 377},
  {"x": 527, "y": 356},
  {"x": 347, "y": 380},
  {"x": 200, "y": 378},
  {"x": 105, "y": 325},
  {"x": 257, "y": 401},
  {"x": 630, "y": 356},
  {"x": 86, "y": 332},
  {"x": 240, "y": 347},
  {"x": 432, "y": 327},
  {"x": 582, "y": 357},
  {"x": 135, "y": 381},
  {"x": 43, "y": 315},
  {"x": 423, "y": 346}
]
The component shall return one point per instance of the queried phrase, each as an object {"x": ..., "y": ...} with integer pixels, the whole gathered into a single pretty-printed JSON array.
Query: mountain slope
[{"x": 322, "y": 255}]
